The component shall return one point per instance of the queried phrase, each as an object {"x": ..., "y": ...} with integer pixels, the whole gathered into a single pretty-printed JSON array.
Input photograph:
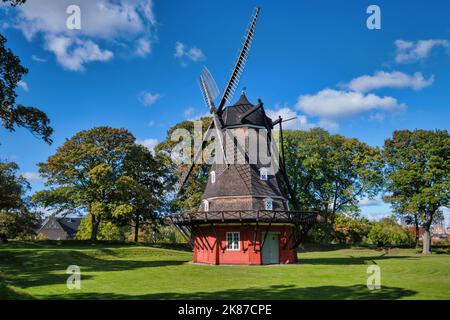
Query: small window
[
  {"x": 268, "y": 203},
  {"x": 205, "y": 205},
  {"x": 213, "y": 177},
  {"x": 263, "y": 174},
  {"x": 233, "y": 241}
]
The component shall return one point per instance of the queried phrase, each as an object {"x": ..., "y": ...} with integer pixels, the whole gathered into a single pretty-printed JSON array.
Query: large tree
[
  {"x": 331, "y": 173},
  {"x": 190, "y": 195},
  {"x": 418, "y": 174},
  {"x": 14, "y": 115},
  {"x": 15, "y": 218},
  {"x": 144, "y": 186},
  {"x": 85, "y": 173},
  {"x": 15, "y": 2}
]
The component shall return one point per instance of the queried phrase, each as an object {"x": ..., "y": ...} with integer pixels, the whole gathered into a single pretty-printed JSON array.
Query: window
[
  {"x": 263, "y": 174},
  {"x": 213, "y": 177},
  {"x": 233, "y": 241},
  {"x": 268, "y": 203},
  {"x": 205, "y": 205}
]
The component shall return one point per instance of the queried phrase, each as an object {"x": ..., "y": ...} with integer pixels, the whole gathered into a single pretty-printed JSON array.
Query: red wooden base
[{"x": 208, "y": 250}]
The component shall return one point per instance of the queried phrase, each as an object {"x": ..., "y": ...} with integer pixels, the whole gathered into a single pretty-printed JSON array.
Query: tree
[
  {"x": 12, "y": 115},
  {"x": 388, "y": 232},
  {"x": 331, "y": 173},
  {"x": 190, "y": 195},
  {"x": 418, "y": 174},
  {"x": 15, "y": 218},
  {"x": 409, "y": 215},
  {"x": 350, "y": 228},
  {"x": 107, "y": 230},
  {"x": 15, "y": 2},
  {"x": 85, "y": 173},
  {"x": 144, "y": 185}
]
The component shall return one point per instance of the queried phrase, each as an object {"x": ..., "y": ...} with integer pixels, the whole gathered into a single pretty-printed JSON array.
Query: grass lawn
[{"x": 37, "y": 271}]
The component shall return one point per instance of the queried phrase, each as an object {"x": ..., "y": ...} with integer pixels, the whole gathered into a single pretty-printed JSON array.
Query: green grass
[{"x": 115, "y": 271}]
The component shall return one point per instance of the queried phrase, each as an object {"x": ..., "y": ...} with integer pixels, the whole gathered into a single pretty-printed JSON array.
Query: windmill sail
[{"x": 239, "y": 65}]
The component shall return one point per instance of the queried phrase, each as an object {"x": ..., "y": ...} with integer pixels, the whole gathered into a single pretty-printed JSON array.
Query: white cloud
[
  {"x": 198, "y": 116},
  {"x": 148, "y": 98},
  {"x": 330, "y": 104},
  {"x": 377, "y": 116},
  {"x": 150, "y": 143},
  {"x": 116, "y": 24},
  {"x": 382, "y": 79},
  {"x": 32, "y": 176},
  {"x": 189, "y": 112},
  {"x": 366, "y": 202},
  {"x": 23, "y": 85},
  {"x": 300, "y": 123},
  {"x": 143, "y": 47},
  {"x": 151, "y": 123},
  {"x": 37, "y": 58},
  {"x": 412, "y": 51},
  {"x": 72, "y": 53},
  {"x": 194, "y": 54}
]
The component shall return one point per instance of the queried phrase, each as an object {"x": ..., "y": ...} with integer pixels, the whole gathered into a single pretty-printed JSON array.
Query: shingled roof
[
  {"x": 234, "y": 115},
  {"x": 241, "y": 180}
]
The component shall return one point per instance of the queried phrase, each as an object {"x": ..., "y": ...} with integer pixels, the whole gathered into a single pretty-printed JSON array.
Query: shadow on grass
[
  {"x": 276, "y": 292},
  {"x": 350, "y": 260},
  {"x": 86, "y": 244},
  {"x": 31, "y": 268}
]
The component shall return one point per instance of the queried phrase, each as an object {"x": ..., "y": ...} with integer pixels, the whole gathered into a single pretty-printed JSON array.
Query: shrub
[
  {"x": 350, "y": 229},
  {"x": 388, "y": 232},
  {"x": 157, "y": 234},
  {"x": 41, "y": 237}
]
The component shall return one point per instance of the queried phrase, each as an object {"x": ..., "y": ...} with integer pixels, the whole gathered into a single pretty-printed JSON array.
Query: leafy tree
[
  {"x": 190, "y": 195},
  {"x": 15, "y": 218},
  {"x": 158, "y": 234},
  {"x": 418, "y": 174},
  {"x": 350, "y": 228},
  {"x": 331, "y": 173},
  {"x": 388, "y": 232},
  {"x": 85, "y": 173},
  {"x": 15, "y": 2},
  {"x": 144, "y": 185},
  {"x": 107, "y": 230},
  {"x": 408, "y": 215},
  {"x": 17, "y": 224},
  {"x": 12, "y": 115},
  {"x": 12, "y": 187}
]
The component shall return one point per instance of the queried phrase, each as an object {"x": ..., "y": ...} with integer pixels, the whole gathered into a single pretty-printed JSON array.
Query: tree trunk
[
  {"x": 426, "y": 240},
  {"x": 136, "y": 228},
  {"x": 94, "y": 230},
  {"x": 3, "y": 238},
  {"x": 416, "y": 224},
  {"x": 327, "y": 228}
]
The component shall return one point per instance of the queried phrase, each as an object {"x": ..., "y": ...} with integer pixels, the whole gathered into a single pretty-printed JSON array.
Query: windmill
[
  {"x": 242, "y": 206},
  {"x": 210, "y": 92}
]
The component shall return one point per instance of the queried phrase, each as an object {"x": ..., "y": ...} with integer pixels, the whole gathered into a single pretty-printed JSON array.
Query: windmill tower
[{"x": 244, "y": 215}]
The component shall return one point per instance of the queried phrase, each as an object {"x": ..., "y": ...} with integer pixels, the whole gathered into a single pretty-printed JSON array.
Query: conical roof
[{"x": 235, "y": 115}]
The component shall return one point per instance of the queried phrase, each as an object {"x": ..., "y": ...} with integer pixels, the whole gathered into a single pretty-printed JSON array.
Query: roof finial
[{"x": 243, "y": 90}]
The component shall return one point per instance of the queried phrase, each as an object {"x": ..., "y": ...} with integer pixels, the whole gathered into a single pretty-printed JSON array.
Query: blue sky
[{"x": 137, "y": 67}]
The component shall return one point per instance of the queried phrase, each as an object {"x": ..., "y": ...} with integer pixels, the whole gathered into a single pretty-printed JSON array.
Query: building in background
[{"x": 57, "y": 228}]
